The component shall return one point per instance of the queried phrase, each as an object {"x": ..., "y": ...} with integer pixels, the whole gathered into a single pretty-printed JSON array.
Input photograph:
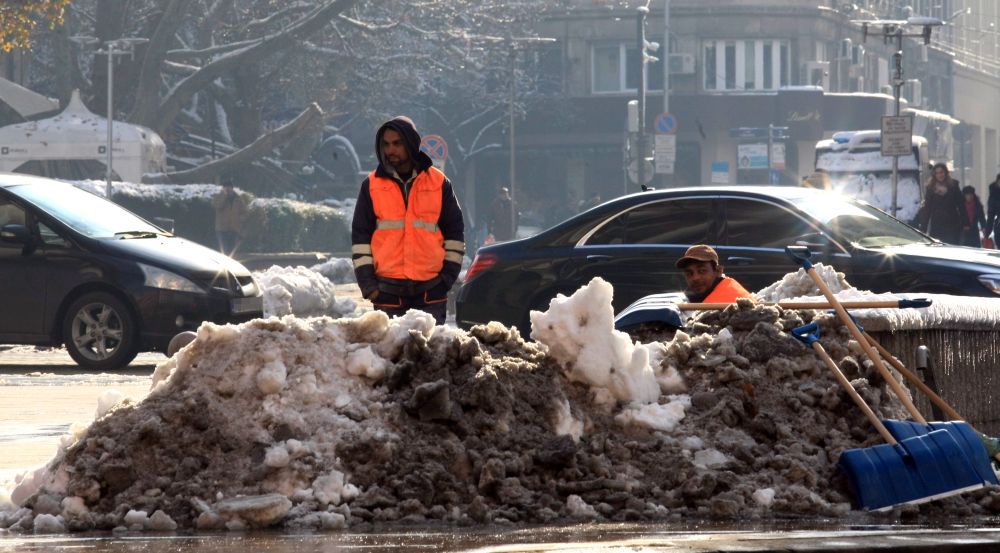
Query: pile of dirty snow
[
  {"x": 329, "y": 423},
  {"x": 302, "y": 292}
]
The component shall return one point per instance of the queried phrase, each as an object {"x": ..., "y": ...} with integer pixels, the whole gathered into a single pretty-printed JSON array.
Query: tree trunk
[{"x": 304, "y": 123}]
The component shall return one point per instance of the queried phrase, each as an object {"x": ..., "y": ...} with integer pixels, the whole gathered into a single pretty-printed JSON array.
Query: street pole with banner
[{"x": 896, "y": 125}]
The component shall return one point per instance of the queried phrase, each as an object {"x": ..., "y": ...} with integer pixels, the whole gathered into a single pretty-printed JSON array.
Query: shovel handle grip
[
  {"x": 800, "y": 255},
  {"x": 807, "y": 334},
  {"x": 915, "y": 302}
]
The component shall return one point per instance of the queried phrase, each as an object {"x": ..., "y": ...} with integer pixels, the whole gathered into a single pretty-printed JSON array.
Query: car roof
[
  {"x": 789, "y": 193},
  {"x": 14, "y": 179}
]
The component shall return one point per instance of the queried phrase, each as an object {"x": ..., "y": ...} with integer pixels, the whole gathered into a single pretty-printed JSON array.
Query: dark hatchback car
[
  {"x": 78, "y": 270},
  {"x": 634, "y": 241}
]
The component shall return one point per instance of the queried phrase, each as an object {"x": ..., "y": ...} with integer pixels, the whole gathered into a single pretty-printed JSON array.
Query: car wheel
[{"x": 100, "y": 332}]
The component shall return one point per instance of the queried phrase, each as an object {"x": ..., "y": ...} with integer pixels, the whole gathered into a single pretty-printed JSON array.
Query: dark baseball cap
[{"x": 698, "y": 252}]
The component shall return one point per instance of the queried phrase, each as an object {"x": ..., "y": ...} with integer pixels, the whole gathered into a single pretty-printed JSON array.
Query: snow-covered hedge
[{"x": 274, "y": 225}]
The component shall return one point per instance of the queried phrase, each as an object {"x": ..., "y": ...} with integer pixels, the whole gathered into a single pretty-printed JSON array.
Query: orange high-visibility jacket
[
  {"x": 727, "y": 291},
  {"x": 407, "y": 243}
]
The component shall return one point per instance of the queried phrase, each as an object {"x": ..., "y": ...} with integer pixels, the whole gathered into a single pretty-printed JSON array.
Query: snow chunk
[
  {"x": 579, "y": 334},
  {"x": 764, "y": 497},
  {"x": 257, "y": 511},
  {"x": 271, "y": 377},
  {"x": 48, "y": 524},
  {"x": 658, "y": 417},
  {"x": 300, "y": 291},
  {"x": 276, "y": 456},
  {"x": 161, "y": 522},
  {"x": 579, "y": 508},
  {"x": 339, "y": 270},
  {"x": 106, "y": 401},
  {"x": 331, "y": 489},
  {"x": 565, "y": 423},
  {"x": 710, "y": 459},
  {"x": 136, "y": 520},
  {"x": 365, "y": 362}
]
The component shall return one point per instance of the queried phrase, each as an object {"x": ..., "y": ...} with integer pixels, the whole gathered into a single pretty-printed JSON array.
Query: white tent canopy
[{"x": 78, "y": 135}]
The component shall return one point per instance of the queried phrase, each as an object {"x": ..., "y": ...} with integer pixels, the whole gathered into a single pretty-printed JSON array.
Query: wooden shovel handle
[
  {"x": 860, "y": 304},
  {"x": 907, "y": 374},
  {"x": 865, "y": 346},
  {"x": 858, "y": 400}
]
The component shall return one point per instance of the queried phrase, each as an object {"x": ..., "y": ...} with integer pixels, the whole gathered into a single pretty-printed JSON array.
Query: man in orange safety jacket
[
  {"x": 407, "y": 235},
  {"x": 705, "y": 279}
]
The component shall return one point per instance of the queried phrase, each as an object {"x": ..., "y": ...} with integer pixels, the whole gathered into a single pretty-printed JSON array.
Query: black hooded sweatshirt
[{"x": 363, "y": 226}]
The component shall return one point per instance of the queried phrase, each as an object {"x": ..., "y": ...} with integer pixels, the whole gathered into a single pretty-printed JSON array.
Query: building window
[
  {"x": 615, "y": 68},
  {"x": 745, "y": 64}
]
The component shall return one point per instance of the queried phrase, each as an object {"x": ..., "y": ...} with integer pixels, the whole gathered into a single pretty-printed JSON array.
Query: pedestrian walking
[
  {"x": 974, "y": 219},
  {"x": 992, "y": 211},
  {"x": 407, "y": 235},
  {"x": 942, "y": 212},
  {"x": 504, "y": 218},
  {"x": 231, "y": 209}
]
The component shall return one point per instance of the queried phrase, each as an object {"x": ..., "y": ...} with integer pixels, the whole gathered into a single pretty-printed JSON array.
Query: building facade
[{"x": 736, "y": 67}]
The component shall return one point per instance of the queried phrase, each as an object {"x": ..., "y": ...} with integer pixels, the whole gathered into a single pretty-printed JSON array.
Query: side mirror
[{"x": 15, "y": 234}]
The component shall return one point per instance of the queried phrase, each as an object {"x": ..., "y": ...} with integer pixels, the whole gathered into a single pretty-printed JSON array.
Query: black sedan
[
  {"x": 78, "y": 270},
  {"x": 634, "y": 241}
]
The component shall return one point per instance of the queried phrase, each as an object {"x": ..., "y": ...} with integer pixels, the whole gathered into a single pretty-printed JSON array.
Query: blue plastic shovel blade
[
  {"x": 658, "y": 308},
  {"x": 916, "y": 470},
  {"x": 967, "y": 438}
]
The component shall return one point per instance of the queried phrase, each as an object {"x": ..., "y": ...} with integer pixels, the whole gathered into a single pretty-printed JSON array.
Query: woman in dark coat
[
  {"x": 942, "y": 213},
  {"x": 993, "y": 210},
  {"x": 975, "y": 220}
]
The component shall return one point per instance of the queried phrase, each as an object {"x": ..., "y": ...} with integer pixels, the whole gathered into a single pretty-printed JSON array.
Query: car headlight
[
  {"x": 165, "y": 280},
  {"x": 991, "y": 282}
]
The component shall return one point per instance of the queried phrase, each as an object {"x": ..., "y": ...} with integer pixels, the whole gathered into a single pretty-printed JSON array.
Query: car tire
[{"x": 100, "y": 332}]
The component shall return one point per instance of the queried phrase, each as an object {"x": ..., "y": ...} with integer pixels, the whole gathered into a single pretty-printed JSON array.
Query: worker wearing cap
[{"x": 705, "y": 280}]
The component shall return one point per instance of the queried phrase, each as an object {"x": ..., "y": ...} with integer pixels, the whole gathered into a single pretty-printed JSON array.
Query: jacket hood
[{"x": 405, "y": 127}]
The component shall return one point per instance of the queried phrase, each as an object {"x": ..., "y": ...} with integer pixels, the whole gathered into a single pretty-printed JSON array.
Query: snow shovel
[
  {"x": 914, "y": 470},
  {"x": 969, "y": 439},
  {"x": 655, "y": 308},
  {"x": 801, "y": 254},
  {"x": 859, "y": 304}
]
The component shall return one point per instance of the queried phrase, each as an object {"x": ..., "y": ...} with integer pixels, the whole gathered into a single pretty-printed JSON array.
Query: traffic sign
[
  {"x": 665, "y": 123},
  {"x": 665, "y": 153},
  {"x": 897, "y": 135},
  {"x": 436, "y": 148}
]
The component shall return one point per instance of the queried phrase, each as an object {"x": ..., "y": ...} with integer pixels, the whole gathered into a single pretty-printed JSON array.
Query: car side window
[
  {"x": 681, "y": 221},
  {"x": 751, "y": 223},
  {"x": 11, "y": 214},
  {"x": 50, "y": 237}
]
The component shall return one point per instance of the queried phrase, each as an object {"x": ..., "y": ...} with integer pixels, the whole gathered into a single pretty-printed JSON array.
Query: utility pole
[
  {"x": 512, "y": 43},
  {"x": 643, "y": 11},
  {"x": 665, "y": 55},
  {"x": 893, "y": 30}
]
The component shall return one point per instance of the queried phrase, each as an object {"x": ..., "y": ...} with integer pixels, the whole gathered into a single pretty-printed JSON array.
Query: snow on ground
[{"x": 329, "y": 423}]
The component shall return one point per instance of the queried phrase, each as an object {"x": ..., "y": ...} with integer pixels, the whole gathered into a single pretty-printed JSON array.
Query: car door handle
[
  {"x": 599, "y": 257},
  {"x": 736, "y": 260}
]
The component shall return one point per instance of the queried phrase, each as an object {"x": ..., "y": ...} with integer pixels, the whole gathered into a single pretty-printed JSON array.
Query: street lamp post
[
  {"x": 112, "y": 48},
  {"x": 893, "y": 30}
]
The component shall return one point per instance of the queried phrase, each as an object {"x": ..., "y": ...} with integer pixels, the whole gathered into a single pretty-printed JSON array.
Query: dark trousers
[
  {"x": 228, "y": 240},
  {"x": 401, "y": 304}
]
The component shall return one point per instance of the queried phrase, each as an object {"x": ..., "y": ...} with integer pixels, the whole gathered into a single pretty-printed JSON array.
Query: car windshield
[
  {"x": 84, "y": 212},
  {"x": 861, "y": 224}
]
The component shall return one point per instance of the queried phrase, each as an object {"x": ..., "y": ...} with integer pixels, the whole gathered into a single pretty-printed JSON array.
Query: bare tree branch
[{"x": 313, "y": 115}]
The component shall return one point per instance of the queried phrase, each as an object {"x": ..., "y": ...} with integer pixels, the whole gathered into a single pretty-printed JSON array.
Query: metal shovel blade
[
  {"x": 916, "y": 470},
  {"x": 966, "y": 437}
]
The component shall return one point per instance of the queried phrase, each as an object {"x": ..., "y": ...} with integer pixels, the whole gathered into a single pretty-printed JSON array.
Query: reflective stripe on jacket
[
  {"x": 727, "y": 291},
  {"x": 407, "y": 243}
]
